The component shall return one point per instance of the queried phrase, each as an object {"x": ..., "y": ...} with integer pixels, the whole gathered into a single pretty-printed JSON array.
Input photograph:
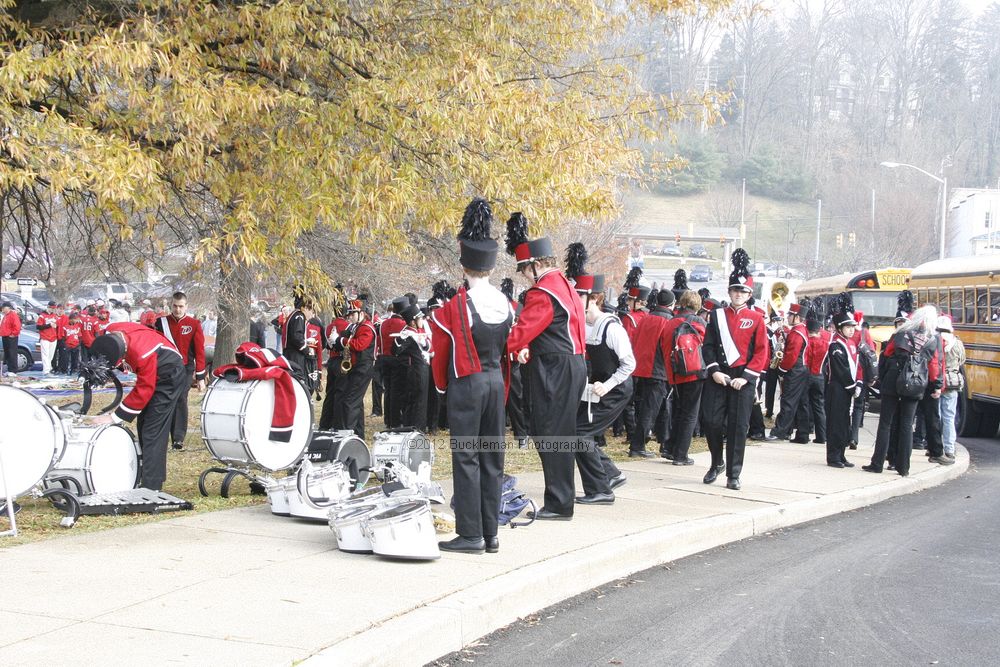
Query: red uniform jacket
[
  {"x": 667, "y": 343},
  {"x": 796, "y": 343},
  {"x": 259, "y": 363},
  {"x": 101, "y": 324},
  {"x": 87, "y": 322},
  {"x": 73, "y": 331},
  {"x": 333, "y": 331},
  {"x": 386, "y": 340},
  {"x": 631, "y": 322},
  {"x": 315, "y": 331},
  {"x": 454, "y": 349},
  {"x": 186, "y": 335},
  {"x": 647, "y": 346},
  {"x": 48, "y": 326},
  {"x": 363, "y": 338},
  {"x": 744, "y": 350},
  {"x": 552, "y": 290},
  {"x": 142, "y": 344},
  {"x": 11, "y": 324},
  {"x": 816, "y": 352},
  {"x": 61, "y": 323}
]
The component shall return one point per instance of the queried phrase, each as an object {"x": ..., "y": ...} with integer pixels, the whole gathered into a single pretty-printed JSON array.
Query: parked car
[
  {"x": 698, "y": 250},
  {"x": 776, "y": 270},
  {"x": 700, "y": 273},
  {"x": 27, "y": 308},
  {"x": 671, "y": 250},
  {"x": 28, "y": 351}
]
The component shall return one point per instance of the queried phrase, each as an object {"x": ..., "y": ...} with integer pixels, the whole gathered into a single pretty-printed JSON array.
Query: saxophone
[
  {"x": 345, "y": 357},
  {"x": 779, "y": 349}
]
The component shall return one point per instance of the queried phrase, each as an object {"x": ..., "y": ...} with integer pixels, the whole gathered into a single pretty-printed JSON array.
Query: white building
[{"x": 973, "y": 222}]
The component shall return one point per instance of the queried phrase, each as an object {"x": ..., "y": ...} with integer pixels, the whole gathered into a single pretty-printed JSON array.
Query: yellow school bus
[
  {"x": 874, "y": 293},
  {"x": 968, "y": 288}
]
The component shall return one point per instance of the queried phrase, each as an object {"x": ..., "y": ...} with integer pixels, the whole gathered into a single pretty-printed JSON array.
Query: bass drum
[
  {"x": 236, "y": 424},
  {"x": 343, "y": 446},
  {"x": 102, "y": 459},
  {"x": 31, "y": 440},
  {"x": 410, "y": 448}
]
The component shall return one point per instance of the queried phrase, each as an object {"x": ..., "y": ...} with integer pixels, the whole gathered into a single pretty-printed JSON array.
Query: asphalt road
[{"x": 911, "y": 581}]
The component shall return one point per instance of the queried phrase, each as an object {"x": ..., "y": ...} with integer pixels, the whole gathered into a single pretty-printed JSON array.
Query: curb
[{"x": 447, "y": 625}]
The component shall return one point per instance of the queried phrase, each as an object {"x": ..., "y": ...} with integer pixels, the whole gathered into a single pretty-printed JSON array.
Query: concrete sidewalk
[{"x": 244, "y": 587}]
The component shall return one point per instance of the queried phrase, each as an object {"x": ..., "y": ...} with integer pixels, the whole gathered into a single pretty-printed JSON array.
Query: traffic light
[
  {"x": 722, "y": 240},
  {"x": 851, "y": 239},
  {"x": 840, "y": 240},
  {"x": 677, "y": 237}
]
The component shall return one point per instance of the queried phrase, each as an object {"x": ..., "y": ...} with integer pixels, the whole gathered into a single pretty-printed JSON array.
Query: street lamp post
[{"x": 944, "y": 196}]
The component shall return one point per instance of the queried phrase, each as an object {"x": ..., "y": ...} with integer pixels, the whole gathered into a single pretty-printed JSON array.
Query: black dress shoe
[
  {"x": 615, "y": 482},
  {"x": 835, "y": 464},
  {"x": 733, "y": 483},
  {"x": 492, "y": 544},
  {"x": 851, "y": 444},
  {"x": 757, "y": 437},
  {"x": 596, "y": 499},
  {"x": 800, "y": 441},
  {"x": 772, "y": 438},
  {"x": 177, "y": 446},
  {"x": 711, "y": 475},
  {"x": 847, "y": 464},
  {"x": 919, "y": 446},
  {"x": 465, "y": 545},
  {"x": 819, "y": 442},
  {"x": 667, "y": 455},
  {"x": 890, "y": 466},
  {"x": 870, "y": 468},
  {"x": 546, "y": 515},
  {"x": 684, "y": 462},
  {"x": 640, "y": 455}
]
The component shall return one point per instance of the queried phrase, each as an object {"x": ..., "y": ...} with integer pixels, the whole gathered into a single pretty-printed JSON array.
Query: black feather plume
[
  {"x": 440, "y": 290},
  {"x": 680, "y": 280},
  {"x": 632, "y": 279},
  {"x": 95, "y": 371},
  {"x": 521, "y": 296},
  {"x": 623, "y": 302},
  {"x": 651, "y": 300},
  {"x": 507, "y": 288},
  {"x": 704, "y": 293},
  {"x": 576, "y": 259},
  {"x": 845, "y": 302},
  {"x": 905, "y": 301},
  {"x": 741, "y": 260},
  {"x": 476, "y": 221},
  {"x": 517, "y": 231}
]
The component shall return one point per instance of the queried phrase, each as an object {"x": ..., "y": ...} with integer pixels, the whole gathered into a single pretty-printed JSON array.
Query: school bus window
[
  {"x": 982, "y": 306},
  {"x": 970, "y": 305},
  {"x": 956, "y": 304},
  {"x": 921, "y": 297},
  {"x": 995, "y": 304}
]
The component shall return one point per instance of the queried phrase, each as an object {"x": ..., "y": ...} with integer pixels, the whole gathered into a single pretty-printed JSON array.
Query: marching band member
[
  {"x": 549, "y": 339},
  {"x": 470, "y": 336},
  {"x": 650, "y": 374},
  {"x": 316, "y": 334},
  {"x": 412, "y": 351},
  {"x": 393, "y": 381},
  {"x": 294, "y": 343},
  {"x": 843, "y": 383},
  {"x": 517, "y": 403},
  {"x": 185, "y": 334},
  {"x": 356, "y": 341},
  {"x": 794, "y": 380},
  {"x": 687, "y": 388},
  {"x": 160, "y": 381},
  {"x": 819, "y": 344},
  {"x": 10, "y": 330},
  {"x": 735, "y": 352},
  {"x": 333, "y": 373}
]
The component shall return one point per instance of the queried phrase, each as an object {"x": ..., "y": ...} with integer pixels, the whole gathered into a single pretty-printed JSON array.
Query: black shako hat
[
  {"x": 110, "y": 347},
  {"x": 478, "y": 252}
]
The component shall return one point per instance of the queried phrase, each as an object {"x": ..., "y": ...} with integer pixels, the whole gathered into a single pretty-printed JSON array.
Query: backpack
[
  {"x": 686, "y": 357},
  {"x": 913, "y": 374},
  {"x": 512, "y": 503}
]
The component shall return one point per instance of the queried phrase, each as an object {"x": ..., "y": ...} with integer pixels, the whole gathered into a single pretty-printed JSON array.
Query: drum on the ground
[
  {"x": 343, "y": 446},
  {"x": 236, "y": 424},
  {"x": 404, "y": 531},
  {"x": 317, "y": 490},
  {"x": 102, "y": 459},
  {"x": 410, "y": 448},
  {"x": 31, "y": 441}
]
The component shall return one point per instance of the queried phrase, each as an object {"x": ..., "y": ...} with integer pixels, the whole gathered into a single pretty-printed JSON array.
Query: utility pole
[
  {"x": 819, "y": 215},
  {"x": 756, "y": 219},
  {"x": 873, "y": 217}
]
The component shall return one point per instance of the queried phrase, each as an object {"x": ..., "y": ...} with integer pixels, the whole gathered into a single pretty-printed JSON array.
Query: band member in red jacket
[
  {"x": 650, "y": 375},
  {"x": 334, "y": 375},
  {"x": 48, "y": 334},
  {"x": 687, "y": 388},
  {"x": 735, "y": 353},
  {"x": 469, "y": 335},
  {"x": 819, "y": 344},
  {"x": 357, "y": 341},
  {"x": 549, "y": 339},
  {"x": 72, "y": 331},
  {"x": 185, "y": 333},
  {"x": 160, "y": 379},
  {"x": 843, "y": 383},
  {"x": 10, "y": 329},
  {"x": 794, "y": 380}
]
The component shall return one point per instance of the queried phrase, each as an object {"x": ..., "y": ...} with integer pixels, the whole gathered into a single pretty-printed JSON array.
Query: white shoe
[{"x": 12, "y": 375}]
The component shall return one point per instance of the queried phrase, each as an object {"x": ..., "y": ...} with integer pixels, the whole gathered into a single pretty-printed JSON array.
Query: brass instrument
[
  {"x": 779, "y": 348},
  {"x": 779, "y": 292},
  {"x": 345, "y": 357}
]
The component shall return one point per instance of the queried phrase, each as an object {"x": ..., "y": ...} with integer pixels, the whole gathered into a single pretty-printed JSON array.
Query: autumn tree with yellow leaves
[{"x": 242, "y": 126}]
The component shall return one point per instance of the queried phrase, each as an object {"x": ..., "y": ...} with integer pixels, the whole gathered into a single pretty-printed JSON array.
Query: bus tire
[{"x": 968, "y": 419}]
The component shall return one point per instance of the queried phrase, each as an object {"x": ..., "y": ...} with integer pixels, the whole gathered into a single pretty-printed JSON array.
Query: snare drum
[
  {"x": 347, "y": 527},
  {"x": 102, "y": 459},
  {"x": 31, "y": 441},
  {"x": 411, "y": 448},
  {"x": 341, "y": 446},
  {"x": 404, "y": 531},
  {"x": 277, "y": 495},
  {"x": 317, "y": 489},
  {"x": 236, "y": 424}
]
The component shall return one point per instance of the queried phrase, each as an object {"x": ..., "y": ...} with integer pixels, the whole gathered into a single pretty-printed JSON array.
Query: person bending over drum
[{"x": 160, "y": 381}]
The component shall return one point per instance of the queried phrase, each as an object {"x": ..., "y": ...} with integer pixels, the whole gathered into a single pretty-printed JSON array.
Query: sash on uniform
[
  {"x": 728, "y": 345},
  {"x": 166, "y": 331}
]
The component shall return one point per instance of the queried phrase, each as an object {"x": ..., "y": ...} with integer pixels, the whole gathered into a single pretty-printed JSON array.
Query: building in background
[{"x": 973, "y": 222}]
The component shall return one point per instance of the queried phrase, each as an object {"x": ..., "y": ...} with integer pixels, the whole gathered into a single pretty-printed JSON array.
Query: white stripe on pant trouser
[{"x": 48, "y": 349}]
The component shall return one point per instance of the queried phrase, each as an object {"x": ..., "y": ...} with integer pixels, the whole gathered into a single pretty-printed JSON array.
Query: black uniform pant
[
  {"x": 726, "y": 414},
  {"x": 179, "y": 422},
  {"x": 415, "y": 403},
  {"x": 930, "y": 407},
  {"x": 687, "y": 405},
  {"x": 377, "y": 388},
  {"x": 858, "y": 413},
  {"x": 650, "y": 395},
  {"x": 555, "y": 384},
  {"x": 396, "y": 392},
  {"x": 153, "y": 424},
  {"x": 351, "y": 388},
  {"x": 433, "y": 404},
  {"x": 389, "y": 365},
  {"x": 516, "y": 404},
  {"x": 794, "y": 386},
  {"x": 476, "y": 420},
  {"x": 664, "y": 421},
  {"x": 837, "y": 404},
  {"x": 10, "y": 353},
  {"x": 770, "y": 388},
  {"x": 334, "y": 397},
  {"x": 900, "y": 410},
  {"x": 596, "y": 467},
  {"x": 815, "y": 406}
]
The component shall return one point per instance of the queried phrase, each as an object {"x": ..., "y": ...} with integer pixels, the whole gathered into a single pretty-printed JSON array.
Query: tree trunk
[{"x": 234, "y": 308}]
